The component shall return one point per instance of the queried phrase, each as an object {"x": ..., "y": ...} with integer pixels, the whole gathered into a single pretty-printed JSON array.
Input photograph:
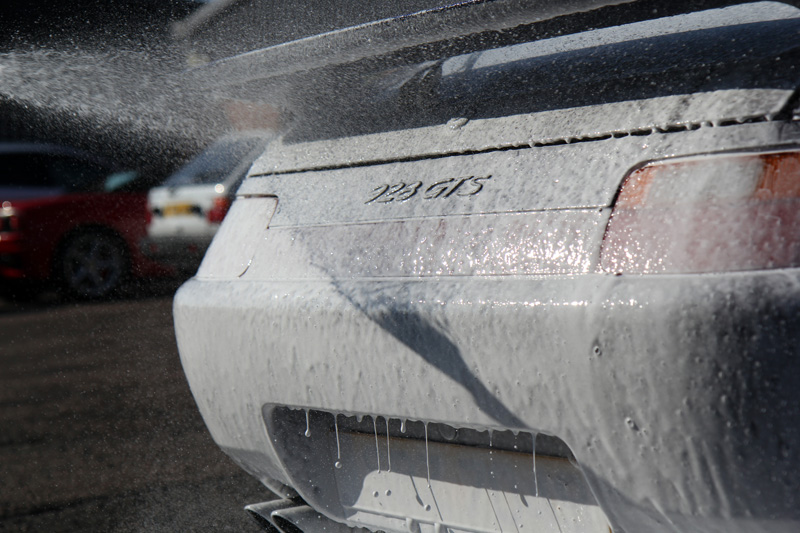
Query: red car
[{"x": 69, "y": 218}]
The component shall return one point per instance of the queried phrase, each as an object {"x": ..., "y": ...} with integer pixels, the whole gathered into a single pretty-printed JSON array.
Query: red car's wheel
[{"x": 92, "y": 264}]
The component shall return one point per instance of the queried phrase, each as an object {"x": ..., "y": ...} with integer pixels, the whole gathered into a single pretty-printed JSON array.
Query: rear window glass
[
  {"x": 216, "y": 163},
  {"x": 741, "y": 47}
]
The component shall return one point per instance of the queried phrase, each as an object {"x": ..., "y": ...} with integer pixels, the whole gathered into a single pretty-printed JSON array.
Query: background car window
[
  {"x": 215, "y": 163},
  {"x": 73, "y": 174},
  {"x": 22, "y": 170},
  {"x": 121, "y": 181}
]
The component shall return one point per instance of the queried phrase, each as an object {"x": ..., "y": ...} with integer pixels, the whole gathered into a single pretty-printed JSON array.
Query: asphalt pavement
[{"x": 98, "y": 428}]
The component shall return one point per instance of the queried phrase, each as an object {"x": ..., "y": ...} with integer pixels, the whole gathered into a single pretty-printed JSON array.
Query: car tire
[{"x": 92, "y": 264}]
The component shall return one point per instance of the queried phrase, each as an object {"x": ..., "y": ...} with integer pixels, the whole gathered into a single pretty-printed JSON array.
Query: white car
[
  {"x": 187, "y": 209},
  {"x": 515, "y": 266}
]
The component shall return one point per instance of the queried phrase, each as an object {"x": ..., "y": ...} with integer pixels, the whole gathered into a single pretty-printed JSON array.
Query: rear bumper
[
  {"x": 12, "y": 263},
  {"x": 678, "y": 395}
]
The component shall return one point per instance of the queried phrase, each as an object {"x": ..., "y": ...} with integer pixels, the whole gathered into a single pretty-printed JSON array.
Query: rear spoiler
[{"x": 468, "y": 26}]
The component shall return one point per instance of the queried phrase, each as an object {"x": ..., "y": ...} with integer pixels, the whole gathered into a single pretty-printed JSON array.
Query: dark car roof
[
  {"x": 32, "y": 170},
  {"x": 52, "y": 149}
]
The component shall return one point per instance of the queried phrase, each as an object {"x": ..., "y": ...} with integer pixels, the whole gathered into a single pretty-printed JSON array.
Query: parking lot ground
[{"x": 98, "y": 428}]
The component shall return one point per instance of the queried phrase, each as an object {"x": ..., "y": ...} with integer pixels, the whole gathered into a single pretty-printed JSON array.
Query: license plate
[{"x": 177, "y": 209}]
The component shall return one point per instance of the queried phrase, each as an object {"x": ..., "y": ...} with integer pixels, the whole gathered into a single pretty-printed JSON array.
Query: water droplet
[
  {"x": 338, "y": 447},
  {"x": 388, "y": 450},
  {"x": 535, "y": 478},
  {"x": 427, "y": 458},
  {"x": 308, "y": 425},
  {"x": 428, "y": 507},
  {"x": 376, "y": 494},
  {"x": 403, "y": 426},
  {"x": 377, "y": 448},
  {"x": 388, "y": 492},
  {"x": 456, "y": 123}
]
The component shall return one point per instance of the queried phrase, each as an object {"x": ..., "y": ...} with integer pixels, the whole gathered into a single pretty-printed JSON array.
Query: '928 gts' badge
[{"x": 400, "y": 192}]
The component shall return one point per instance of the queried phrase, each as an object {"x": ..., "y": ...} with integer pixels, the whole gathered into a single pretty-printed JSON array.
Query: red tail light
[
  {"x": 707, "y": 214},
  {"x": 218, "y": 210},
  {"x": 9, "y": 218}
]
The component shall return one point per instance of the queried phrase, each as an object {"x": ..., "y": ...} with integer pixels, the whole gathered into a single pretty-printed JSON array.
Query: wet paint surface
[{"x": 526, "y": 130}]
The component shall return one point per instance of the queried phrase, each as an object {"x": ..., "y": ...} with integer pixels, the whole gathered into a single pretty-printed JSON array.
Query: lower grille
[{"x": 424, "y": 477}]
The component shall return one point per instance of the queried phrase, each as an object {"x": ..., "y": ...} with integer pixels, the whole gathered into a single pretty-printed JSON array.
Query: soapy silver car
[{"x": 515, "y": 268}]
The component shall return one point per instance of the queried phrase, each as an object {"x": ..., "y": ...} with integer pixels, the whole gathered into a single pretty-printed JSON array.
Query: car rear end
[
  {"x": 24, "y": 185},
  {"x": 536, "y": 285},
  {"x": 50, "y": 193},
  {"x": 10, "y": 248},
  {"x": 186, "y": 211}
]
